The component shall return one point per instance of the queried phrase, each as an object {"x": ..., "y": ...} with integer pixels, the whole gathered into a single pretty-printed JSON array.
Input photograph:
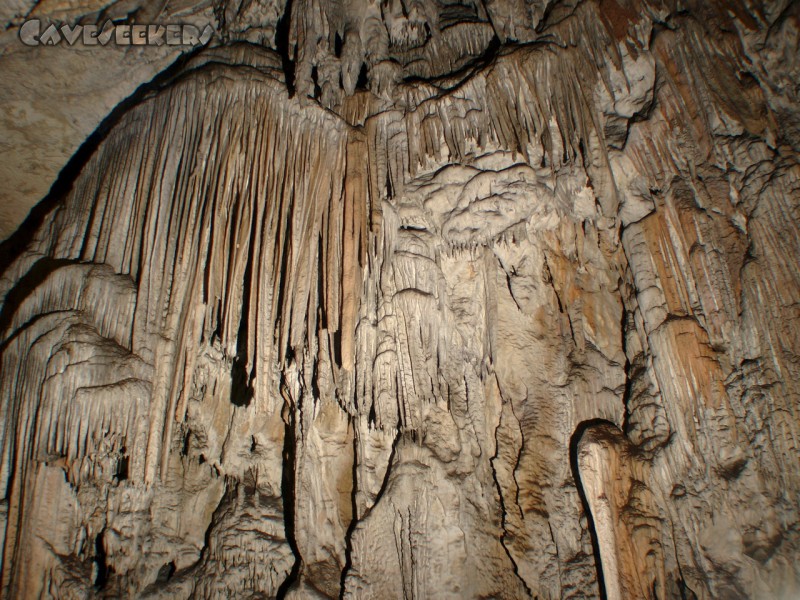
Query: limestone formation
[{"x": 377, "y": 299}]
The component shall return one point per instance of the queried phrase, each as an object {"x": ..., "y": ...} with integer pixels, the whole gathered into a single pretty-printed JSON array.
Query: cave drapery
[{"x": 420, "y": 299}]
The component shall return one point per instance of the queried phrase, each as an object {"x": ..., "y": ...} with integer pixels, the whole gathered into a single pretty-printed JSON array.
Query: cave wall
[{"x": 420, "y": 300}]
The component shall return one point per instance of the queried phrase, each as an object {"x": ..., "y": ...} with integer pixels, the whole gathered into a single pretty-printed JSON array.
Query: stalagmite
[{"x": 405, "y": 299}]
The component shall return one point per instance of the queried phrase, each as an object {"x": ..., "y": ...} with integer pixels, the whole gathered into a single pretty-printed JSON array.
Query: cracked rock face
[{"x": 412, "y": 299}]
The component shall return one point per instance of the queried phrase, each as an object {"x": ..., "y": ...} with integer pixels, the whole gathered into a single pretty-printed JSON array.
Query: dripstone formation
[{"x": 405, "y": 299}]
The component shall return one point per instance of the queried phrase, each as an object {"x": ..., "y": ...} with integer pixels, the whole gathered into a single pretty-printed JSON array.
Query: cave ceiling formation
[{"x": 409, "y": 299}]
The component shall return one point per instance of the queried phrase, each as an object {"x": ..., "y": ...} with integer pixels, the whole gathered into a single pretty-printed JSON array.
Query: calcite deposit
[{"x": 377, "y": 299}]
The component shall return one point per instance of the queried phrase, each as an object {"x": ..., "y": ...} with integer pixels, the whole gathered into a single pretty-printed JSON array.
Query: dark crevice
[
  {"x": 283, "y": 243},
  {"x": 241, "y": 388},
  {"x": 632, "y": 373},
  {"x": 548, "y": 279},
  {"x": 465, "y": 73},
  {"x": 288, "y": 496},
  {"x": 103, "y": 570},
  {"x": 503, "y": 513},
  {"x": 348, "y": 540},
  {"x": 166, "y": 572},
  {"x": 389, "y": 186},
  {"x": 337, "y": 45},
  {"x": 123, "y": 467},
  {"x": 362, "y": 83},
  {"x": 385, "y": 483},
  {"x": 241, "y": 379},
  {"x": 630, "y": 369},
  {"x": 317, "y": 93},
  {"x": 576, "y": 475},
  {"x": 321, "y": 297},
  {"x": 511, "y": 291},
  {"x": 186, "y": 443},
  {"x": 336, "y": 350},
  {"x": 217, "y": 333},
  {"x": 282, "y": 45},
  {"x": 209, "y": 259}
]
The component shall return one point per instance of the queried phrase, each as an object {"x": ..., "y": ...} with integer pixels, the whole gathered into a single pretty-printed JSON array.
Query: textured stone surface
[
  {"x": 419, "y": 300},
  {"x": 54, "y": 97}
]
